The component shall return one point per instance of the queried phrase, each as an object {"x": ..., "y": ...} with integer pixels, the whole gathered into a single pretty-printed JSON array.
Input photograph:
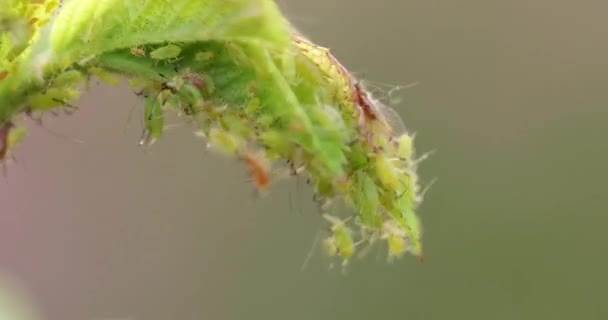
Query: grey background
[{"x": 513, "y": 97}]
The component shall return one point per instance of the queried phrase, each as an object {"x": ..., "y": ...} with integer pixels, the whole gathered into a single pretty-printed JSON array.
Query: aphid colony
[
  {"x": 377, "y": 176},
  {"x": 189, "y": 94},
  {"x": 384, "y": 181},
  {"x": 264, "y": 106}
]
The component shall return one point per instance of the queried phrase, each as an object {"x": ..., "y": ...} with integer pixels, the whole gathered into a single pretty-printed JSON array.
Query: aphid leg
[
  {"x": 146, "y": 139},
  {"x": 423, "y": 157},
  {"x": 30, "y": 114},
  {"x": 129, "y": 116},
  {"x": 71, "y": 107},
  {"x": 4, "y": 137}
]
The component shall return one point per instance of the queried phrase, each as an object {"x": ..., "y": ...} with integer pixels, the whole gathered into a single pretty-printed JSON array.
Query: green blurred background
[{"x": 512, "y": 95}]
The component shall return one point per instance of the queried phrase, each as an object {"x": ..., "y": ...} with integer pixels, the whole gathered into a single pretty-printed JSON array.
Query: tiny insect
[
  {"x": 258, "y": 170},
  {"x": 169, "y": 51},
  {"x": 196, "y": 81},
  {"x": 138, "y": 52},
  {"x": 204, "y": 56},
  {"x": 340, "y": 243},
  {"x": 3, "y": 74}
]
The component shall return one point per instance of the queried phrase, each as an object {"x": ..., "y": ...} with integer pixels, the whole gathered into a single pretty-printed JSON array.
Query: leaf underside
[{"x": 255, "y": 88}]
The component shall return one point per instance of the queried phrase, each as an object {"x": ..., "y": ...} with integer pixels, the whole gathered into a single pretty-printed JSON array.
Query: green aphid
[
  {"x": 237, "y": 125},
  {"x": 389, "y": 175},
  {"x": 225, "y": 142},
  {"x": 405, "y": 148},
  {"x": 237, "y": 54},
  {"x": 52, "y": 98},
  {"x": 153, "y": 118},
  {"x": 190, "y": 99},
  {"x": 341, "y": 237},
  {"x": 357, "y": 157},
  {"x": 265, "y": 120},
  {"x": 204, "y": 56},
  {"x": 330, "y": 246},
  {"x": 275, "y": 141},
  {"x": 67, "y": 79},
  {"x": 396, "y": 245},
  {"x": 364, "y": 194},
  {"x": 289, "y": 67},
  {"x": 169, "y": 51},
  {"x": 412, "y": 226},
  {"x": 395, "y": 237},
  {"x": 253, "y": 106},
  {"x": 104, "y": 76},
  {"x": 325, "y": 187}
]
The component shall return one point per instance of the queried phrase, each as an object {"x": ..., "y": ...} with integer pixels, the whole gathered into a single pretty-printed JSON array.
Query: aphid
[
  {"x": 138, "y": 52},
  {"x": 104, "y": 76},
  {"x": 405, "y": 149},
  {"x": 364, "y": 194},
  {"x": 340, "y": 243},
  {"x": 258, "y": 170},
  {"x": 204, "y": 56},
  {"x": 196, "y": 81},
  {"x": 169, "y": 51},
  {"x": 225, "y": 142},
  {"x": 153, "y": 120},
  {"x": 395, "y": 237},
  {"x": 390, "y": 177},
  {"x": 3, "y": 74},
  {"x": 410, "y": 223},
  {"x": 237, "y": 54}
]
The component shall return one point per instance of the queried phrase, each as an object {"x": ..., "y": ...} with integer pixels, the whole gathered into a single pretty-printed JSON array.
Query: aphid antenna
[
  {"x": 38, "y": 121},
  {"x": 61, "y": 135},
  {"x": 310, "y": 253},
  {"x": 141, "y": 93},
  {"x": 365, "y": 251},
  {"x": 422, "y": 194},
  {"x": 30, "y": 114},
  {"x": 389, "y": 88},
  {"x": 173, "y": 126},
  {"x": 298, "y": 204},
  {"x": 423, "y": 157},
  {"x": 129, "y": 116}
]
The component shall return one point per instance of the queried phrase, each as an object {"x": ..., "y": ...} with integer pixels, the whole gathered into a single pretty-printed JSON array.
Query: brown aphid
[
  {"x": 3, "y": 74},
  {"x": 258, "y": 170},
  {"x": 138, "y": 52},
  {"x": 196, "y": 81}
]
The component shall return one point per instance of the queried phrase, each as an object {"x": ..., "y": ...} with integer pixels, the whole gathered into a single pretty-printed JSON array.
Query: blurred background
[{"x": 512, "y": 96}]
